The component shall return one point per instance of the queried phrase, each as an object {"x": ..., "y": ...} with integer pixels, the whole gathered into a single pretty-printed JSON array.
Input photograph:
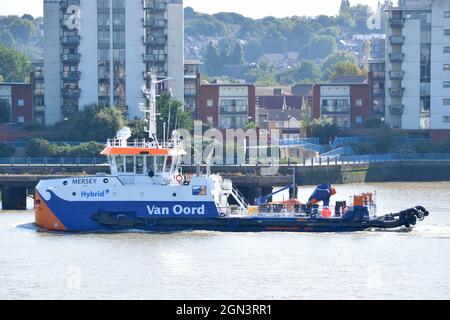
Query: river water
[{"x": 210, "y": 265}]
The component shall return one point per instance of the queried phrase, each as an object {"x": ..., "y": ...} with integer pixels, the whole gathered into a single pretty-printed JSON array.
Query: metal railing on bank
[{"x": 53, "y": 162}]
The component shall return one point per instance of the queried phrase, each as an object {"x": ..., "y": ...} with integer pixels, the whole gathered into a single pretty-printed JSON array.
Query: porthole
[
  {"x": 65, "y": 183},
  {"x": 105, "y": 180},
  {"x": 174, "y": 195},
  {"x": 74, "y": 194}
]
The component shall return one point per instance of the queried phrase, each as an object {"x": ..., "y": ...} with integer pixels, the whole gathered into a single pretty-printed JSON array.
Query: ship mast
[{"x": 149, "y": 108}]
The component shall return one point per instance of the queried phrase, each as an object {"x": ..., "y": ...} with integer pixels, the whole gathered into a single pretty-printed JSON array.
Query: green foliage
[
  {"x": 5, "y": 111},
  {"x": 324, "y": 129},
  {"x": 384, "y": 140},
  {"x": 93, "y": 123},
  {"x": 346, "y": 68},
  {"x": 262, "y": 75},
  {"x": 178, "y": 117},
  {"x": 320, "y": 47},
  {"x": 39, "y": 148},
  {"x": 374, "y": 123},
  {"x": 212, "y": 60},
  {"x": 364, "y": 148},
  {"x": 6, "y": 151},
  {"x": 307, "y": 72},
  {"x": 14, "y": 66},
  {"x": 331, "y": 61}
]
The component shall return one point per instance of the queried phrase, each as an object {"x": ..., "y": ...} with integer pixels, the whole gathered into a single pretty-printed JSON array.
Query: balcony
[
  {"x": 71, "y": 40},
  {"x": 233, "y": 110},
  {"x": 38, "y": 108},
  {"x": 396, "y": 110},
  {"x": 37, "y": 75},
  {"x": 397, "y": 40},
  {"x": 154, "y": 42},
  {"x": 71, "y": 58},
  {"x": 378, "y": 92},
  {"x": 335, "y": 109},
  {"x": 190, "y": 93},
  {"x": 397, "y": 57},
  {"x": 38, "y": 92},
  {"x": 378, "y": 75},
  {"x": 71, "y": 93},
  {"x": 396, "y": 92},
  {"x": 71, "y": 75},
  {"x": 396, "y": 75},
  {"x": 155, "y": 24},
  {"x": 154, "y": 5},
  {"x": 397, "y": 22},
  {"x": 67, "y": 3},
  {"x": 155, "y": 58}
]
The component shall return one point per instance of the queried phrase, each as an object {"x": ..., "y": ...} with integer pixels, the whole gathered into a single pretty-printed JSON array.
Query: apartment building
[
  {"x": 101, "y": 52},
  {"x": 346, "y": 104},
  {"x": 227, "y": 106},
  {"x": 418, "y": 65}
]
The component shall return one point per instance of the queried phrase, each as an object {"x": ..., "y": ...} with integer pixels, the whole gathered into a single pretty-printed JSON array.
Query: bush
[
  {"x": 364, "y": 148},
  {"x": 39, "y": 148},
  {"x": 324, "y": 129},
  {"x": 6, "y": 151}
]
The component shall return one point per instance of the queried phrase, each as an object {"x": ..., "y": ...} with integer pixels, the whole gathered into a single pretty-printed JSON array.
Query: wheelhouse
[{"x": 143, "y": 159}]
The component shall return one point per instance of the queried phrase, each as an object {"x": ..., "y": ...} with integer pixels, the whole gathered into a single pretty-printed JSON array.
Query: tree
[
  {"x": 262, "y": 75},
  {"x": 14, "y": 66},
  {"x": 321, "y": 47},
  {"x": 324, "y": 129},
  {"x": 307, "y": 71},
  {"x": 5, "y": 111},
  {"x": 93, "y": 123},
  {"x": 179, "y": 119},
  {"x": 237, "y": 56},
  {"x": 6, "y": 151},
  {"x": 225, "y": 55},
  {"x": 346, "y": 68},
  {"x": 212, "y": 60},
  {"x": 333, "y": 59}
]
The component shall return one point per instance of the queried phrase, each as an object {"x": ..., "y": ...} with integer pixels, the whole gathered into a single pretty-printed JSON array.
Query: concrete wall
[{"x": 175, "y": 54}]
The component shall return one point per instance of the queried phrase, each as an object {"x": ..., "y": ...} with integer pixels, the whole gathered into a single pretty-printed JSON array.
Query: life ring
[{"x": 179, "y": 178}]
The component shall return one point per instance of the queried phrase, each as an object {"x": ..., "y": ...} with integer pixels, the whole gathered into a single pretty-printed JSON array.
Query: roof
[
  {"x": 279, "y": 115},
  {"x": 302, "y": 89},
  {"x": 276, "y": 102},
  {"x": 193, "y": 62},
  {"x": 269, "y": 91},
  {"x": 350, "y": 79}
]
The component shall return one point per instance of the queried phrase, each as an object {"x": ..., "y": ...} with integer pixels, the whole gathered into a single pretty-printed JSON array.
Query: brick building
[
  {"x": 347, "y": 104},
  {"x": 19, "y": 98},
  {"x": 227, "y": 106}
]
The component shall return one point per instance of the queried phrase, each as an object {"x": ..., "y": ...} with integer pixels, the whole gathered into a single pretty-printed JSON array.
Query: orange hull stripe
[
  {"x": 112, "y": 151},
  {"x": 45, "y": 218}
]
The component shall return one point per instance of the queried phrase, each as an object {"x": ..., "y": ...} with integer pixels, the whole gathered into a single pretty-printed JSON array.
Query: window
[
  {"x": 446, "y": 32},
  {"x": 447, "y": 14},
  {"x": 446, "y": 49},
  {"x": 20, "y": 119},
  {"x": 359, "y": 102},
  {"x": 209, "y": 120},
  {"x": 446, "y": 102},
  {"x": 358, "y": 119},
  {"x": 447, "y": 84},
  {"x": 446, "y": 119},
  {"x": 210, "y": 103},
  {"x": 129, "y": 164},
  {"x": 446, "y": 67},
  {"x": 20, "y": 103}
]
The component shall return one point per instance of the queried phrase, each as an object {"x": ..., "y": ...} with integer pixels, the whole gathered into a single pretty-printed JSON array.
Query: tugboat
[{"x": 147, "y": 190}]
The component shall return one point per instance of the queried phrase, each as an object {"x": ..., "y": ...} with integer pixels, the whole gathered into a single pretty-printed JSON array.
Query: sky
[{"x": 249, "y": 8}]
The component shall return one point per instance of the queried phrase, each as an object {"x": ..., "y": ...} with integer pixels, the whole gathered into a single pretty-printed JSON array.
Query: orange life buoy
[{"x": 179, "y": 178}]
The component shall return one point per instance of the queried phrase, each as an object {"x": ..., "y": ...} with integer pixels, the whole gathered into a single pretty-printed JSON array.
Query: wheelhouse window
[
  {"x": 139, "y": 164},
  {"x": 129, "y": 164},
  {"x": 120, "y": 164}
]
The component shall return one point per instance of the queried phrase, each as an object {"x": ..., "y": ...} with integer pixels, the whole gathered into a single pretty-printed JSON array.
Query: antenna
[{"x": 149, "y": 108}]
